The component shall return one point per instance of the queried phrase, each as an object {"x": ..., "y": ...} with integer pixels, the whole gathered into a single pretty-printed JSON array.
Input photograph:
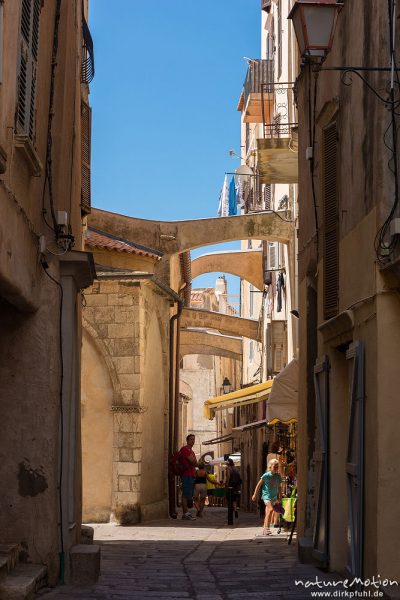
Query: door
[
  {"x": 321, "y": 457},
  {"x": 355, "y": 460}
]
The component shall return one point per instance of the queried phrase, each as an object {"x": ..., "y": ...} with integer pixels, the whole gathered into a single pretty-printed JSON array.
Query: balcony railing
[
  {"x": 87, "y": 65},
  {"x": 277, "y": 149}
]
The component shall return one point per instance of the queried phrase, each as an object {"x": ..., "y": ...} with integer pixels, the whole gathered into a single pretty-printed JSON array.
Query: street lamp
[
  {"x": 226, "y": 385},
  {"x": 314, "y": 25}
]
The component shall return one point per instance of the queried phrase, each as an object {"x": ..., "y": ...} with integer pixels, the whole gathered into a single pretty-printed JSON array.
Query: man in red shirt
[{"x": 188, "y": 477}]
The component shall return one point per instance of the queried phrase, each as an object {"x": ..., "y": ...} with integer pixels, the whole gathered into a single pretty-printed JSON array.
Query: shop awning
[
  {"x": 283, "y": 399},
  {"x": 218, "y": 440},
  {"x": 248, "y": 395},
  {"x": 253, "y": 425}
]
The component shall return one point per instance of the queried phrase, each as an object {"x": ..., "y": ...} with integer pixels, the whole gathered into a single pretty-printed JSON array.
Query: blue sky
[{"x": 168, "y": 79}]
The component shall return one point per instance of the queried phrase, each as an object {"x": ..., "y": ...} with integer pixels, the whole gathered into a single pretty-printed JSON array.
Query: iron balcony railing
[
  {"x": 266, "y": 5},
  {"x": 282, "y": 123},
  {"x": 259, "y": 74},
  {"x": 87, "y": 66}
]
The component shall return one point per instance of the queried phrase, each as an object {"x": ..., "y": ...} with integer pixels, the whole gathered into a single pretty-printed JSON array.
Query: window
[
  {"x": 330, "y": 222},
  {"x": 27, "y": 67},
  {"x": 86, "y": 121}
]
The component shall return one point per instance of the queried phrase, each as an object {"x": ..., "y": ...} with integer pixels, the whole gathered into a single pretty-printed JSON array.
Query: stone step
[
  {"x": 11, "y": 553},
  {"x": 23, "y": 582}
]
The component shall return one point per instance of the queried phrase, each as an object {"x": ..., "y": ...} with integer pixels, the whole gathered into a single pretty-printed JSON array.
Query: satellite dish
[{"x": 243, "y": 172}]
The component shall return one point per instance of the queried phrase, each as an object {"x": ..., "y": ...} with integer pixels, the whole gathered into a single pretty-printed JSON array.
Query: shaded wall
[{"x": 97, "y": 424}]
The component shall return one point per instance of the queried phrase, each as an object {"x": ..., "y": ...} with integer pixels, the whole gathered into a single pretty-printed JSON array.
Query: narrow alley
[{"x": 203, "y": 560}]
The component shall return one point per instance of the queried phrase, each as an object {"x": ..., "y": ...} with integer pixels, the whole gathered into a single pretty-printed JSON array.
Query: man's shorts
[{"x": 187, "y": 486}]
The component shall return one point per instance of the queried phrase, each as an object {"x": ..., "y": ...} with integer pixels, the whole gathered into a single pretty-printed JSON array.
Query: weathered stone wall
[{"x": 129, "y": 323}]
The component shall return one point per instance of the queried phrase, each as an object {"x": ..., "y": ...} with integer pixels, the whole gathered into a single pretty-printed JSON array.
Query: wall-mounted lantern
[{"x": 314, "y": 25}]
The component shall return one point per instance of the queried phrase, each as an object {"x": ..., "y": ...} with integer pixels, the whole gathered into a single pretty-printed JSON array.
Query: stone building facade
[
  {"x": 125, "y": 385},
  {"x": 44, "y": 130},
  {"x": 349, "y": 308}
]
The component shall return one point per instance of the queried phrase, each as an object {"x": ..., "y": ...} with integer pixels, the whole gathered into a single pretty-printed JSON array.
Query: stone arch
[
  {"x": 246, "y": 264},
  {"x": 152, "y": 484},
  {"x": 97, "y": 432},
  {"x": 107, "y": 358},
  {"x": 175, "y": 237}
]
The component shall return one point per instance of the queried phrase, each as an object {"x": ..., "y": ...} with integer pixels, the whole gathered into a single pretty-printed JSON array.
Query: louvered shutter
[
  {"x": 279, "y": 345},
  {"x": 27, "y": 68},
  {"x": 267, "y": 196},
  {"x": 86, "y": 123},
  {"x": 273, "y": 256},
  {"x": 331, "y": 224}
]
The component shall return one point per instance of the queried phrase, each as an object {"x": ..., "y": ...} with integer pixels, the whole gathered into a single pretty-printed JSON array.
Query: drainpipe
[
  {"x": 173, "y": 422},
  {"x": 172, "y": 427}
]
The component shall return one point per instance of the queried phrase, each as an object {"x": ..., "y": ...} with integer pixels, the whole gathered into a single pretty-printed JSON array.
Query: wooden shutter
[
  {"x": 267, "y": 196},
  {"x": 86, "y": 124},
  {"x": 331, "y": 223},
  {"x": 279, "y": 345},
  {"x": 27, "y": 67}
]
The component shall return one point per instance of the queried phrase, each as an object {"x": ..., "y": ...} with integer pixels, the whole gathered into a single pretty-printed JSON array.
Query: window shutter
[
  {"x": 27, "y": 70},
  {"x": 273, "y": 256},
  {"x": 267, "y": 196},
  {"x": 331, "y": 224},
  {"x": 86, "y": 123},
  {"x": 279, "y": 345}
]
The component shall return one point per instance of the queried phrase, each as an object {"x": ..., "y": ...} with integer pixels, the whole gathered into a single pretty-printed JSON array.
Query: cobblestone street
[{"x": 202, "y": 560}]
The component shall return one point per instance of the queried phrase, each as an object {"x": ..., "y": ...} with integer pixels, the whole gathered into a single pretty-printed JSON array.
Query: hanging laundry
[
  {"x": 280, "y": 284},
  {"x": 240, "y": 193},
  {"x": 232, "y": 198},
  {"x": 223, "y": 207}
]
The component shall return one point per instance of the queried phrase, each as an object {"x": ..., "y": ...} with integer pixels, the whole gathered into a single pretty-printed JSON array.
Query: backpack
[
  {"x": 234, "y": 478},
  {"x": 178, "y": 464}
]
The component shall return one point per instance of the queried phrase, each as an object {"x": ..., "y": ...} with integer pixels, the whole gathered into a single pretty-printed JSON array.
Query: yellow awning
[{"x": 248, "y": 395}]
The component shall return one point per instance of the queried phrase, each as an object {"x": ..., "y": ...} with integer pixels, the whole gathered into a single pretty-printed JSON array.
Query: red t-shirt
[{"x": 187, "y": 452}]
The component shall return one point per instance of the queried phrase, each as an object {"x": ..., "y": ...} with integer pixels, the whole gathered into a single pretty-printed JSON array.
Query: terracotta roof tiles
[{"x": 95, "y": 238}]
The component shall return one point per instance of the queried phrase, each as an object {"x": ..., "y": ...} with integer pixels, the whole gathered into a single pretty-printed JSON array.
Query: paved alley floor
[{"x": 201, "y": 560}]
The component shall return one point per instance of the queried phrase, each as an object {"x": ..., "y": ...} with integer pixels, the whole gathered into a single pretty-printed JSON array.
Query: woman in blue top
[{"x": 270, "y": 492}]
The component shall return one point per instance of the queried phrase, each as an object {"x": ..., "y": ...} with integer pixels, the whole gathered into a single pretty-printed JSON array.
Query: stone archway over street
[
  {"x": 226, "y": 324},
  {"x": 246, "y": 264},
  {"x": 175, "y": 237}
]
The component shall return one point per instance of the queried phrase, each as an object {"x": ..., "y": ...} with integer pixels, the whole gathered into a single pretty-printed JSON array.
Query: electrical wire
[
  {"x": 384, "y": 248},
  {"x": 311, "y": 134},
  {"x": 48, "y": 179}
]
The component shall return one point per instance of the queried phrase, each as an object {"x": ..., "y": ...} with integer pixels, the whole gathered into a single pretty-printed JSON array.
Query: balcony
[
  {"x": 277, "y": 150},
  {"x": 256, "y": 101},
  {"x": 87, "y": 64}
]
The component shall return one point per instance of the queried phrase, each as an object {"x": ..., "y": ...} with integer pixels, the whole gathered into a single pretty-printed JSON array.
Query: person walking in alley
[
  {"x": 188, "y": 477},
  {"x": 200, "y": 489},
  {"x": 234, "y": 481},
  {"x": 270, "y": 492}
]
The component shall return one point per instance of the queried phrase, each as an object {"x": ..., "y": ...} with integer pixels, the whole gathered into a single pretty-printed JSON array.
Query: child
[{"x": 270, "y": 492}]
